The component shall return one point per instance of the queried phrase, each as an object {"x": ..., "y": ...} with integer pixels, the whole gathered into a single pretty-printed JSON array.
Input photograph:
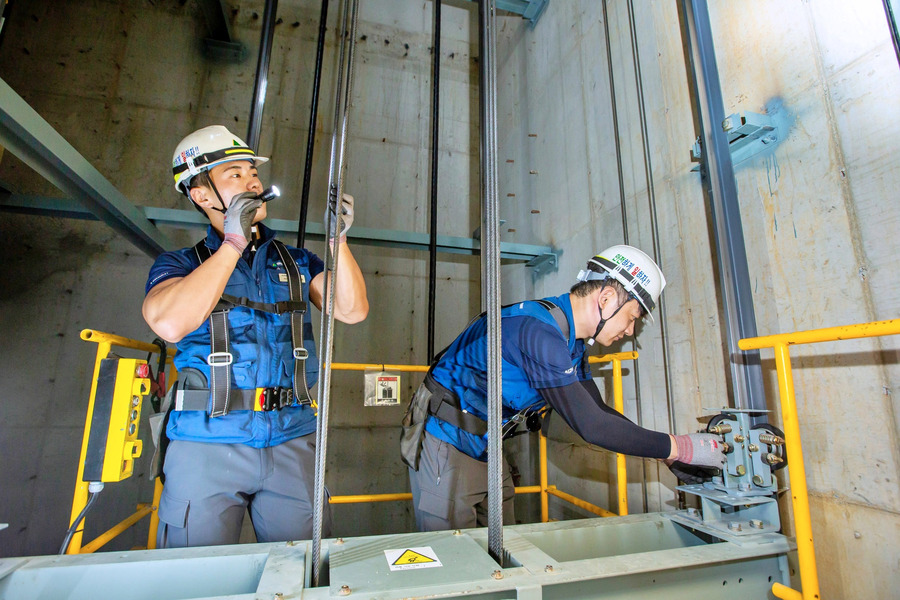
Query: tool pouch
[
  {"x": 188, "y": 379},
  {"x": 413, "y": 427}
]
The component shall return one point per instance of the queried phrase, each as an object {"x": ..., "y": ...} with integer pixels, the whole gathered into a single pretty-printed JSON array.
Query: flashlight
[{"x": 270, "y": 193}]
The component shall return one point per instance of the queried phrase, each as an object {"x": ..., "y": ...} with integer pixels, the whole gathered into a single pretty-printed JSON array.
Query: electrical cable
[{"x": 95, "y": 488}]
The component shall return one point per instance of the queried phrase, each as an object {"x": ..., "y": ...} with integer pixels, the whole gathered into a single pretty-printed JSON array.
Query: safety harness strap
[
  {"x": 301, "y": 389},
  {"x": 220, "y": 357},
  {"x": 445, "y": 405}
]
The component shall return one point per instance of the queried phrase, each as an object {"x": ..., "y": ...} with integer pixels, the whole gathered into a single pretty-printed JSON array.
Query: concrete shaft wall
[
  {"x": 817, "y": 216},
  {"x": 124, "y": 81}
]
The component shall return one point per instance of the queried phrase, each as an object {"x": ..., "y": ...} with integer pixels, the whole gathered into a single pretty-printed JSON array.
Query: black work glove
[{"x": 690, "y": 474}]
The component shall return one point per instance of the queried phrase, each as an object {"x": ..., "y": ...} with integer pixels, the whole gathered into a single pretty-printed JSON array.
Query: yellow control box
[{"x": 113, "y": 443}]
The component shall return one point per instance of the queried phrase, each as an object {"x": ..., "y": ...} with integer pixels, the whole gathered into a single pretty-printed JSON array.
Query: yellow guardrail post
[
  {"x": 809, "y": 578},
  {"x": 621, "y": 471},
  {"x": 806, "y": 556},
  {"x": 542, "y": 458}
]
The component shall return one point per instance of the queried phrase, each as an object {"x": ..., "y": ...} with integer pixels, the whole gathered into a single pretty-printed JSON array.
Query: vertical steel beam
[
  {"x": 890, "y": 11},
  {"x": 490, "y": 261},
  {"x": 435, "y": 130},
  {"x": 311, "y": 137},
  {"x": 734, "y": 274},
  {"x": 262, "y": 74}
]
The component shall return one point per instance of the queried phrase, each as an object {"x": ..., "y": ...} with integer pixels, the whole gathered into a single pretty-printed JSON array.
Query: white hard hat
[
  {"x": 206, "y": 148},
  {"x": 637, "y": 272}
]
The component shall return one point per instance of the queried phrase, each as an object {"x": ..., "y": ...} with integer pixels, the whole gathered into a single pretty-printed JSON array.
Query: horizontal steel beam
[
  {"x": 62, "y": 207},
  {"x": 530, "y": 10},
  {"x": 28, "y": 136}
]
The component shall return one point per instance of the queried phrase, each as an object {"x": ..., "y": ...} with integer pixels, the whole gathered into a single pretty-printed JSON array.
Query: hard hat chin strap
[
  {"x": 213, "y": 186},
  {"x": 603, "y": 321}
]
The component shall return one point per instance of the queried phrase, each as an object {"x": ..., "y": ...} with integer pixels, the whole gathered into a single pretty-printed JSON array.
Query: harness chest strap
[{"x": 220, "y": 395}]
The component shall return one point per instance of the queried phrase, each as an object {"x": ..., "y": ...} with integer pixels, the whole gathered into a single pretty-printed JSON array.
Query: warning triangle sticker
[
  {"x": 403, "y": 559},
  {"x": 412, "y": 558}
]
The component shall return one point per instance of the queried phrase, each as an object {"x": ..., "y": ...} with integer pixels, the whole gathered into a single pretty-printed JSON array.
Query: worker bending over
[
  {"x": 242, "y": 424},
  {"x": 544, "y": 364}
]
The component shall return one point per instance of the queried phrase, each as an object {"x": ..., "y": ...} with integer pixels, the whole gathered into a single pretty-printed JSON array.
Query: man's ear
[
  {"x": 199, "y": 197},
  {"x": 606, "y": 295}
]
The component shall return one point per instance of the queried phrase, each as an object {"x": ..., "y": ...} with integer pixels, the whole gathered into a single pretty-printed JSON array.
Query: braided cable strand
[
  {"x": 490, "y": 259},
  {"x": 333, "y": 226}
]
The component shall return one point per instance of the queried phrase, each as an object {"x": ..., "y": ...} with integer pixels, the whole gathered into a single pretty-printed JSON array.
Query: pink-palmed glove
[{"x": 700, "y": 449}]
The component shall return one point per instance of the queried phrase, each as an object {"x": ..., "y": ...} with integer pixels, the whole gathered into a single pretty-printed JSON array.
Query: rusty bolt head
[
  {"x": 345, "y": 590},
  {"x": 497, "y": 574},
  {"x": 548, "y": 568}
]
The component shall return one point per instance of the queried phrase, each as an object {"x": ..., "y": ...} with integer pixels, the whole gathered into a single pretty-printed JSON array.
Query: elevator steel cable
[
  {"x": 343, "y": 91},
  {"x": 651, "y": 198},
  {"x": 490, "y": 270},
  {"x": 624, "y": 210}
]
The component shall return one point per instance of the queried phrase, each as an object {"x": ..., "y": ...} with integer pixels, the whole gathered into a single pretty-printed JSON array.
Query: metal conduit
[
  {"x": 624, "y": 210},
  {"x": 262, "y": 74},
  {"x": 654, "y": 222},
  {"x": 432, "y": 242},
  {"x": 311, "y": 137},
  {"x": 335, "y": 190},
  {"x": 490, "y": 262}
]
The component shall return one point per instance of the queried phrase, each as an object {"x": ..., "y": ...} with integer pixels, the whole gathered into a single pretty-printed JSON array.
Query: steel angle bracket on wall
[
  {"x": 531, "y": 10},
  {"x": 27, "y": 135},
  {"x": 748, "y": 134}
]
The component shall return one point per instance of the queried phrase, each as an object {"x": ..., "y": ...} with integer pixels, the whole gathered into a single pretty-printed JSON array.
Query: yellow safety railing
[
  {"x": 809, "y": 579},
  {"x": 105, "y": 342},
  {"x": 544, "y": 489}
]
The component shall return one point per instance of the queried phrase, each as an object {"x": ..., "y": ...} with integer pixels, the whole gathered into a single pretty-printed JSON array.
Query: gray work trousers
[
  {"x": 210, "y": 486},
  {"x": 450, "y": 489}
]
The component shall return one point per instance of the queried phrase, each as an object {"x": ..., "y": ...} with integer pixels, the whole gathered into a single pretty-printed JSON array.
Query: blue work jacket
[
  {"x": 260, "y": 343},
  {"x": 532, "y": 358}
]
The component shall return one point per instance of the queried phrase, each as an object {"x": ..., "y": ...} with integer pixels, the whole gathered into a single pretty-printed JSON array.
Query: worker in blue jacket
[
  {"x": 444, "y": 441},
  {"x": 241, "y": 430}
]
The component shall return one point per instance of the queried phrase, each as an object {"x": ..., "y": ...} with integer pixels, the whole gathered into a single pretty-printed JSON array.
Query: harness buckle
[
  {"x": 217, "y": 359},
  {"x": 273, "y": 398},
  {"x": 301, "y": 353}
]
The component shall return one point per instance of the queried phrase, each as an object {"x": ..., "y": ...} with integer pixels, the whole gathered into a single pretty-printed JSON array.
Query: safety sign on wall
[
  {"x": 403, "y": 559},
  {"x": 382, "y": 388}
]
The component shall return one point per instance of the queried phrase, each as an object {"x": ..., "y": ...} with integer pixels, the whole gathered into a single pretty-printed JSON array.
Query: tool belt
[
  {"x": 258, "y": 399},
  {"x": 444, "y": 405}
]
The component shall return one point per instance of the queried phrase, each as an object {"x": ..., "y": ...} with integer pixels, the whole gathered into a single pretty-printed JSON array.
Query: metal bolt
[
  {"x": 857, "y": 534},
  {"x": 758, "y": 480},
  {"x": 727, "y": 448},
  {"x": 726, "y": 125},
  {"x": 768, "y": 438},
  {"x": 756, "y": 524},
  {"x": 497, "y": 574},
  {"x": 734, "y": 526},
  {"x": 693, "y": 512},
  {"x": 345, "y": 590},
  {"x": 753, "y": 448},
  {"x": 278, "y": 596},
  {"x": 457, "y": 532},
  {"x": 741, "y": 469},
  {"x": 548, "y": 568},
  {"x": 744, "y": 487},
  {"x": 135, "y": 400},
  {"x": 720, "y": 429},
  {"x": 339, "y": 541},
  {"x": 739, "y": 438},
  {"x": 774, "y": 459}
]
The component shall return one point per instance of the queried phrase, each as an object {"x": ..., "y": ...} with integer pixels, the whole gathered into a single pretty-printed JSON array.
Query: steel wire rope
[
  {"x": 624, "y": 209},
  {"x": 490, "y": 260},
  {"x": 335, "y": 190},
  {"x": 654, "y": 222}
]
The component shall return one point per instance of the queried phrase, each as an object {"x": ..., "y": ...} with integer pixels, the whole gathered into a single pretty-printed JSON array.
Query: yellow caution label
[
  {"x": 409, "y": 558},
  {"x": 401, "y": 559}
]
